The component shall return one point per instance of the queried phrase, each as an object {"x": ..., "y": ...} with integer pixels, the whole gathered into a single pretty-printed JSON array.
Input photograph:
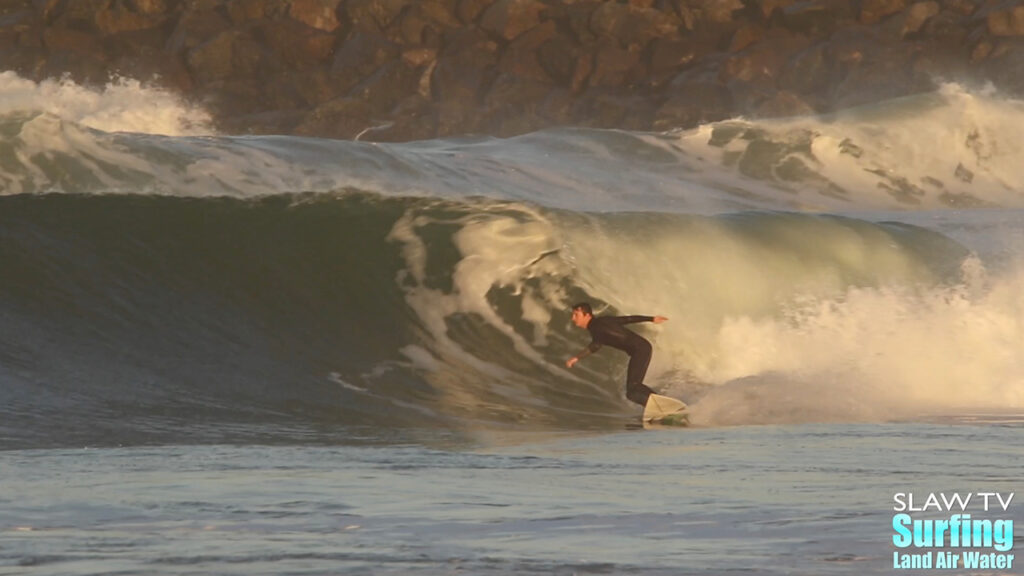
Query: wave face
[{"x": 170, "y": 286}]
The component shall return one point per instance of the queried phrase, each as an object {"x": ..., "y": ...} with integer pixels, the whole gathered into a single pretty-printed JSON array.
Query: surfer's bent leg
[{"x": 639, "y": 360}]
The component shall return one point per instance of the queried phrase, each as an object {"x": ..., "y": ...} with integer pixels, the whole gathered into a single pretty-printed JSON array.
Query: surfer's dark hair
[{"x": 585, "y": 307}]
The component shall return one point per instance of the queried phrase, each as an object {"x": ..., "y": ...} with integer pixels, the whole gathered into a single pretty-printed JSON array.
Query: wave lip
[{"x": 952, "y": 149}]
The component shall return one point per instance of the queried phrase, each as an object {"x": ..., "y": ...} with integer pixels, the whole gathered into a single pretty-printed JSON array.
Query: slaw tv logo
[{"x": 952, "y": 531}]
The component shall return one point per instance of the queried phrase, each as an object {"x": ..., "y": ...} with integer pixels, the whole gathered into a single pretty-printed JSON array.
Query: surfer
[{"x": 610, "y": 330}]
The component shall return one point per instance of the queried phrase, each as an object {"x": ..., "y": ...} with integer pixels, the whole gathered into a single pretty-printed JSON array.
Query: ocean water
[{"x": 280, "y": 355}]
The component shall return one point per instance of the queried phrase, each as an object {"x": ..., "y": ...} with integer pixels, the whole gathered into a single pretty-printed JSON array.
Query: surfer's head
[{"x": 581, "y": 314}]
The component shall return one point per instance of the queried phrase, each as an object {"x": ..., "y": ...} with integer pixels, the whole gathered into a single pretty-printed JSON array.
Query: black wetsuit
[{"x": 611, "y": 331}]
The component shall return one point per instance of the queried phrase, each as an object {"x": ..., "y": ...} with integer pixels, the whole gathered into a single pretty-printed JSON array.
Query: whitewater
[{"x": 274, "y": 354}]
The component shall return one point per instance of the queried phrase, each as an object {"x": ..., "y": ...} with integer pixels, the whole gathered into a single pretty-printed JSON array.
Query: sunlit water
[{"x": 758, "y": 500}]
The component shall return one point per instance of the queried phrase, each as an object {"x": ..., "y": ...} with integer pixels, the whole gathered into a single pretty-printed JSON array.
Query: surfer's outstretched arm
[
  {"x": 635, "y": 319},
  {"x": 594, "y": 347}
]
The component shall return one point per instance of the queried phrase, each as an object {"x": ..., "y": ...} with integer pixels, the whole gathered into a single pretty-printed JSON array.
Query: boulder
[
  {"x": 1004, "y": 66},
  {"x": 918, "y": 14},
  {"x": 745, "y": 36},
  {"x": 58, "y": 39},
  {"x": 468, "y": 11},
  {"x": 318, "y": 14},
  {"x": 1007, "y": 20},
  {"x": 816, "y": 19},
  {"x": 615, "y": 66},
  {"x": 512, "y": 105},
  {"x": 230, "y": 54},
  {"x": 873, "y": 11},
  {"x": 710, "y": 11},
  {"x": 782, "y": 104},
  {"x": 295, "y": 44},
  {"x": 339, "y": 118},
  {"x": 423, "y": 24},
  {"x": 630, "y": 25},
  {"x": 810, "y": 71},
  {"x": 465, "y": 69},
  {"x": 241, "y": 11},
  {"x": 605, "y": 108},
  {"x": 881, "y": 75},
  {"x": 119, "y": 18},
  {"x": 694, "y": 100},
  {"x": 671, "y": 55},
  {"x": 413, "y": 118},
  {"x": 385, "y": 88},
  {"x": 195, "y": 28},
  {"x": 79, "y": 15},
  {"x": 521, "y": 58},
  {"x": 558, "y": 57},
  {"x": 374, "y": 14},
  {"x": 507, "y": 19},
  {"x": 47, "y": 8},
  {"x": 767, "y": 9},
  {"x": 154, "y": 7},
  {"x": 362, "y": 53}
]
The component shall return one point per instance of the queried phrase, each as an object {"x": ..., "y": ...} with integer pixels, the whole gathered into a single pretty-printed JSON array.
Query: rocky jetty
[{"x": 391, "y": 70}]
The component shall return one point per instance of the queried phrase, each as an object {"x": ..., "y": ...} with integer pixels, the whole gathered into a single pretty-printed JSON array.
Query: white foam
[
  {"x": 952, "y": 148},
  {"x": 873, "y": 353},
  {"x": 123, "y": 105}
]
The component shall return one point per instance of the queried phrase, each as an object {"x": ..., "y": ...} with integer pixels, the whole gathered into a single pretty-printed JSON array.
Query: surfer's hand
[
  {"x": 571, "y": 361},
  {"x": 659, "y": 319}
]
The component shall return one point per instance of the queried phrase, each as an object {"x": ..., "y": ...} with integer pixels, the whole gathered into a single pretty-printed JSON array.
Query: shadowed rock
[{"x": 405, "y": 69}]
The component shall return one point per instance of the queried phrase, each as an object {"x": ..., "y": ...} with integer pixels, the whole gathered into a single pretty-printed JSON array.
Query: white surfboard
[{"x": 664, "y": 410}]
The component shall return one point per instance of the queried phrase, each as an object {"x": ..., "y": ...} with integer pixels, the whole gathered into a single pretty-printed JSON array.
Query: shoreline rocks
[{"x": 392, "y": 70}]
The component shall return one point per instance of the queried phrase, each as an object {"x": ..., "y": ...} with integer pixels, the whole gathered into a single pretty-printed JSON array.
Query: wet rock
[
  {"x": 424, "y": 24},
  {"x": 295, "y": 44},
  {"x": 392, "y": 69},
  {"x": 231, "y": 53},
  {"x": 710, "y": 11},
  {"x": 879, "y": 74},
  {"x": 469, "y": 10},
  {"x": 512, "y": 106},
  {"x": 241, "y": 11},
  {"x": 630, "y": 25},
  {"x": 374, "y": 14},
  {"x": 615, "y": 66},
  {"x": 694, "y": 101},
  {"x": 783, "y": 103},
  {"x": 873, "y": 11},
  {"x": 1007, "y": 20},
  {"x": 79, "y": 15},
  {"x": 508, "y": 19},
  {"x": 669, "y": 56},
  {"x": 319, "y": 14},
  {"x": 1004, "y": 66},
  {"x": 766, "y": 9},
  {"x": 57, "y": 39},
  {"x": 195, "y": 28},
  {"x": 918, "y": 14},
  {"x": 341, "y": 118},
  {"x": 362, "y": 52},
  {"x": 745, "y": 36},
  {"x": 121, "y": 18},
  {"x": 558, "y": 57},
  {"x": 465, "y": 69},
  {"x": 812, "y": 18},
  {"x": 521, "y": 58}
]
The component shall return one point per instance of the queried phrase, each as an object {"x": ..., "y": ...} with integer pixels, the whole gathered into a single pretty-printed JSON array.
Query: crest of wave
[{"x": 123, "y": 105}]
